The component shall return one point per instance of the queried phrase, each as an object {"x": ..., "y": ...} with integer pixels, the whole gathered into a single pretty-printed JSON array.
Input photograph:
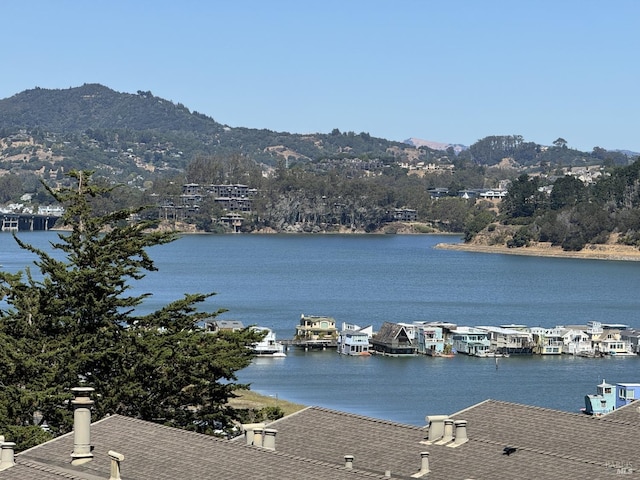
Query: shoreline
[{"x": 590, "y": 252}]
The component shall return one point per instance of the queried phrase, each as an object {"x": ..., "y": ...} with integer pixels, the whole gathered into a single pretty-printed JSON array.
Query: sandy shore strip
[{"x": 593, "y": 252}]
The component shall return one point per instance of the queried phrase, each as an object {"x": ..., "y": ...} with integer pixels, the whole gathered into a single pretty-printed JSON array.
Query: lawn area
[{"x": 249, "y": 399}]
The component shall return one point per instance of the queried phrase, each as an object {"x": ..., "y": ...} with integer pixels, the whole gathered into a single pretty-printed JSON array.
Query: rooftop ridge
[
  {"x": 530, "y": 407},
  {"x": 313, "y": 461},
  {"x": 364, "y": 417},
  {"x": 48, "y": 469},
  {"x": 541, "y": 452}
]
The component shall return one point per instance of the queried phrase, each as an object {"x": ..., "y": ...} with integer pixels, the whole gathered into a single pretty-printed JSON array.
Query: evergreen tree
[{"x": 75, "y": 324}]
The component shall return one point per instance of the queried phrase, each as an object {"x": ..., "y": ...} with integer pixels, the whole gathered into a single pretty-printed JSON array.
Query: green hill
[{"x": 92, "y": 123}]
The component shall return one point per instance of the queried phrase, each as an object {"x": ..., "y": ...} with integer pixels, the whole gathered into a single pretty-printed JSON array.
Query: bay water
[{"x": 271, "y": 280}]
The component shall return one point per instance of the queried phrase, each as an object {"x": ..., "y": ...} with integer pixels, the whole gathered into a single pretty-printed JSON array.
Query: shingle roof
[
  {"x": 312, "y": 444},
  {"x": 549, "y": 443},
  {"x": 155, "y": 452}
]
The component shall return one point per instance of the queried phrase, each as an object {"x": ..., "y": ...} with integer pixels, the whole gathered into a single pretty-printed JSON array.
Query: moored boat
[{"x": 268, "y": 347}]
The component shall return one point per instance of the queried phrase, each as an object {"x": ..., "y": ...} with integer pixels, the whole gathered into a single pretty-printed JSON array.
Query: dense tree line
[
  {"x": 575, "y": 214},
  {"x": 302, "y": 199}
]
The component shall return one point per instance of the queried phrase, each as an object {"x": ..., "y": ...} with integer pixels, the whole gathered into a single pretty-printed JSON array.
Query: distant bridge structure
[{"x": 13, "y": 222}]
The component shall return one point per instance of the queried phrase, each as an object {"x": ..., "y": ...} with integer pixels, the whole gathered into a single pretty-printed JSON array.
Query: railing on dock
[{"x": 310, "y": 344}]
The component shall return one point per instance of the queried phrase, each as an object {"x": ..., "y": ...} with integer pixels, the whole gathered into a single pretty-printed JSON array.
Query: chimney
[
  {"x": 81, "y": 425},
  {"x": 436, "y": 427},
  {"x": 257, "y": 436},
  {"x": 424, "y": 465},
  {"x": 248, "y": 431},
  {"x": 448, "y": 432},
  {"x": 269, "y": 438},
  {"x": 6, "y": 455},
  {"x": 461, "y": 433},
  {"x": 348, "y": 462},
  {"x": 116, "y": 458}
]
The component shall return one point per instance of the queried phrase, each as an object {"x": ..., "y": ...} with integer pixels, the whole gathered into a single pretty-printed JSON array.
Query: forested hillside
[
  {"x": 314, "y": 182},
  {"x": 574, "y": 214}
]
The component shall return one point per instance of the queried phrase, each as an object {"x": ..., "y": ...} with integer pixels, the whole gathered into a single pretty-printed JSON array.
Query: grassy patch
[{"x": 248, "y": 399}]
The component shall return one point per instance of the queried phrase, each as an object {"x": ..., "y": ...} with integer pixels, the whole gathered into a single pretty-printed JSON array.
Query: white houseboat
[
  {"x": 268, "y": 347},
  {"x": 470, "y": 341},
  {"x": 354, "y": 340}
]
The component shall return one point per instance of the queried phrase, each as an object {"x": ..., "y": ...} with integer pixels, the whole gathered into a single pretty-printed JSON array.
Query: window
[{"x": 627, "y": 394}]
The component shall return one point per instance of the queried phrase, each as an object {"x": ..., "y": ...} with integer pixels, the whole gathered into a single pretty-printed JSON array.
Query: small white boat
[{"x": 268, "y": 347}]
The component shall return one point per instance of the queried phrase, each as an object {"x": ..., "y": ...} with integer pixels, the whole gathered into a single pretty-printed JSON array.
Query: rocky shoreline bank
[{"x": 614, "y": 252}]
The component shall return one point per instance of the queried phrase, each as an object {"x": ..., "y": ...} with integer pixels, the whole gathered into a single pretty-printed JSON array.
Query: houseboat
[
  {"x": 268, "y": 346},
  {"x": 471, "y": 341},
  {"x": 547, "y": 341},
  {"x": 607, "y": 339},
  {"x": 314, "y": 330},
  {"x": 510, "y": 341},
  {"x": 392, "y": 339},
  {"x": 354, "y": 340},
  {"x": 610, "y": 397},
  {"x": 429, "y": 339}
]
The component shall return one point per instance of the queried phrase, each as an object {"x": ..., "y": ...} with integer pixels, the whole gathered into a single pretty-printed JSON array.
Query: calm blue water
[{"x": 272, "y": 280}]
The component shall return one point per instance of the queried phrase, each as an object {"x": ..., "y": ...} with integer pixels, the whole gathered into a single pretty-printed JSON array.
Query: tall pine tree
[{"x": 75, "y": 324}]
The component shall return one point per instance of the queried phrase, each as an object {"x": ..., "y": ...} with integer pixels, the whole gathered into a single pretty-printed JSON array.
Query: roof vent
[
  {"x": 509, "y": 450},
  {"x": 461, "y": 433},
  {"x": 82, "y": 425},
  {"x": 249, "y": 431},
  {"x": 116, "y": 458},
  {"x": 348, "y": 462},
  {"x": 269, "y": 438},
  {"x": 7, "y": 459},
  {"x": 448, "y": 432},
  {"x": 424, "y": 465},
  {"x": 257, "y": 436},
  {"x": 436, "y": 427}
]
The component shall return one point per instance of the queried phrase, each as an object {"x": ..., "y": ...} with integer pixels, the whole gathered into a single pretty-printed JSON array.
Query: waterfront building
[
  {"x": 603, "y": 402},
  {"x": 509, "y": 341},
  {"x": 575, "y": 340},
  {"x": 471, "y": 341},
  {"x": 354, "y": 340},
  {"x": 393, "y": 339},
  {"x": 632, "y": 338},
  {"x": 429, "y": 339},
  {"x": 627, "y": 393},
  {"x": 214, "y": 326},
  {"x": 548, "y": 341},
  {"x": 607, "y": 339},
  {"x": 313, "y": 327}
]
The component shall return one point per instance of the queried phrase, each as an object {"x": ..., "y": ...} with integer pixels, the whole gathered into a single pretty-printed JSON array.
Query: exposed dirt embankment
[{"x": 495, "y": 242}]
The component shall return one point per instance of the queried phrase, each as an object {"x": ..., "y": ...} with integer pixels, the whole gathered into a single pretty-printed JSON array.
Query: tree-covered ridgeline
[
  {"x": 574, "y": 214},
  {"x": 73, "y": 323}
]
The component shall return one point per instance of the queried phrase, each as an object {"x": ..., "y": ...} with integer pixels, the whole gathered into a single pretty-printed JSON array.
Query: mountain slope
[
  {"x": 98, "y": 107},
  {"x": 96, "y": 118}
]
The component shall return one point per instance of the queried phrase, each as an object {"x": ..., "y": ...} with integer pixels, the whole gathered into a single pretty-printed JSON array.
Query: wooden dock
[{"x": 310, "y": 344}]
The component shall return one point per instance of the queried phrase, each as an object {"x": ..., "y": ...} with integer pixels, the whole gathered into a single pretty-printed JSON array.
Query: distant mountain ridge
[
  {"x": 418, "y": 142},
  {"x": 93, "y": 126},
  {"x": 98, "y": 107},
  {"x": 99, "y": 112}
]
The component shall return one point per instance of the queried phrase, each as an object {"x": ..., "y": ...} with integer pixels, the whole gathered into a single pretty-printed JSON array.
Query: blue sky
[{"x": 452, "y": 71}]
